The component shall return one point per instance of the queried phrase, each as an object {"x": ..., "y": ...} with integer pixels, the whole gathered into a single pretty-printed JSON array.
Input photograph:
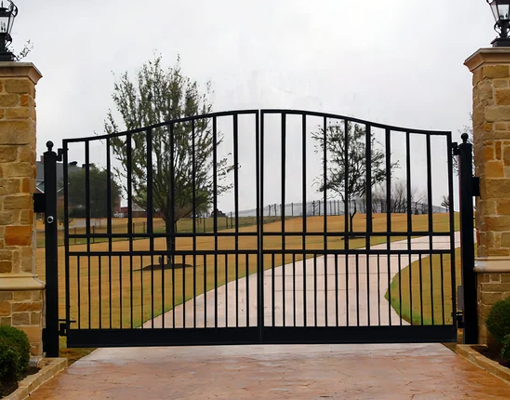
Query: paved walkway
[
  {"x": 359, "y": 287},
  {"x": 395, "y": 372}
]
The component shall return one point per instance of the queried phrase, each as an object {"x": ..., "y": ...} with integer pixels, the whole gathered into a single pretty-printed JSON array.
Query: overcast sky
[{"x": 397, "y": 62}]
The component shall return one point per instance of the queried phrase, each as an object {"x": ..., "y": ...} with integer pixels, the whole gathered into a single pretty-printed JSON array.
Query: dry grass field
[{"x": 115, "y": 292}]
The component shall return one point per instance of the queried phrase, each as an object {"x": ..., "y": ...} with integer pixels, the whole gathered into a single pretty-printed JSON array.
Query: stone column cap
[
  {"x": 20, "y": 282},
  {"x": 13, "y": 69},
  {"x": 492, "y": 264},
  {"x": 487, "y": 56}
]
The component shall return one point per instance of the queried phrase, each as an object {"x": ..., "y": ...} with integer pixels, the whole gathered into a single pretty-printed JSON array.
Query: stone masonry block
[
  {"x": 496, "y": 71},
  {"x": 18, "y": 235},
  {"x": 8, "y": 100},
  {"x": 17, "y": 113},
  {"x": 9, "y": 186},
  {"x": 488, "y": 299},
  {"x": 502, "y": 98},
  {"x": 497, "y": 188},
  {"x": 497, "y": 113},
  {"x": 6, "y": 296},
  {"x": 498, "y": 223},
  {"x": 35, "y": 318},
  {"x": 6, "y": 267},
  {"x": 494, "y": 169},
  {"x": 21, "y": 307},
  {"x": 17, "y": 132},
  {"x": 18, "y": 202},
  {"x": 500, "y": 83},
  {"x": 19, "y": 86},
  {"x": 8, "y": 153},
  {"x": 20, "y": 319},
  {"x": 17, "y": 170},
  {"x": 5, "y": 308}
]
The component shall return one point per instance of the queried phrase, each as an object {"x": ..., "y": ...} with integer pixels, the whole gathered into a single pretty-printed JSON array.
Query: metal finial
[
  {"x": 49, "y": 145},
  {"x": 464, "y": 137}
]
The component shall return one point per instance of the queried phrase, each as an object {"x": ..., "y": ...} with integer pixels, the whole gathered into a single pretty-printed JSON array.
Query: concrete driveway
[{"x": 396, "y": 372}]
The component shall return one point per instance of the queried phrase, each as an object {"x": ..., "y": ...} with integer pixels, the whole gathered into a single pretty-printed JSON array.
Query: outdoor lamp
[
  {"x": 501, "y": 11},
  {"x": 7, "y": 16}
]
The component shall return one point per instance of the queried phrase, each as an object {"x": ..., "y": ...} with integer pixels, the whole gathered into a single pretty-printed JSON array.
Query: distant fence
[{"x": 336, "y": 207}]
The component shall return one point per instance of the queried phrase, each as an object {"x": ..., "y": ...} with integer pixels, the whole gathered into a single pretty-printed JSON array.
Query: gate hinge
[
  {"x": 476, "y": 185},
  {"x": 60, "y": 154},
  {"x": 39, "y": 203},
  {"x": 455, "y": 149}
]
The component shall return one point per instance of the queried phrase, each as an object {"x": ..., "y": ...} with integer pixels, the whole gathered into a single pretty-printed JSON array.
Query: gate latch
[
  {"x": 476, "y": 185},
  {"x": 63, "y": 327}
]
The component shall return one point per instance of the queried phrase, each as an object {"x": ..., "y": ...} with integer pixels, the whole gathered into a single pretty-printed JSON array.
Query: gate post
[
  {"x": 491, "y": 143},
  {"x": 21, "y": 293},
  {"x": 470, "y": 312},
  {"x": 51, "y": 332}
]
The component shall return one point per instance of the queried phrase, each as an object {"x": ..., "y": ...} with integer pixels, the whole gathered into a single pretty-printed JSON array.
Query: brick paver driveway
[{"x": 395, "y": 372}]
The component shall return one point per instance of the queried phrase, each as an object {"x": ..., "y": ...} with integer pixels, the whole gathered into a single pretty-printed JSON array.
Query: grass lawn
[
  {"x": 407, "y": 303},
  {"x": 134, "y": 288}
]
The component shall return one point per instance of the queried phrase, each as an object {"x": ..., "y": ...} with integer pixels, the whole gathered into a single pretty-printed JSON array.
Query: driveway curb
[
  {"x": 52, "y": 367},
  {"x": 469, "y": 353}
]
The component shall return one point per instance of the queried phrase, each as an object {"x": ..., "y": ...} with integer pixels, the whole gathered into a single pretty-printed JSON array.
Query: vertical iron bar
[
  {"x": 409, "y": 220},
  {"x": 247, "y": 290},
  {"x": 347, "y": 228},
  {"x": 303, "y": 237},
  {"x": 294, "y": 286},
  {"x": 194, "y": 173},
  {"x": 205, "y": 290},
  {"x": 236, "y": 209},
  {"x": 315, "y": 287},
  {"x": 51, "y": 332},
  {"x": 66, "y": 239},
  {"x": 379, "y": 289},
  {"x": 109, "y": 222},
  {"x": 283, "y": 177},
  {"x": 272, "y": 291},
  {"x": 325, "y": 238},
  {"x": 400, "y": 286},
  {"x": 337, "y": 311},
  {"x": 99, "y": 289},
  {"x": 171, "y": 205},
  {"x": 129, "y": 167},
  {"x": 421, "y": 290},
  {"x": 183, "y": 269},
  {"x": 150, "y": 225},
  {"x": 259, "y": 123},
  {"x": 431, "y": 222},
  {"x": 215, "y": 222},
  {"x": 467, "y": 243},
  {"x": 442, "y": 289},
  {"x": 368, "y": 136},
  {"x": 357, "y": 289},
  {"x": 87, "y": 222},
  {"x": 120, "y": 292}
]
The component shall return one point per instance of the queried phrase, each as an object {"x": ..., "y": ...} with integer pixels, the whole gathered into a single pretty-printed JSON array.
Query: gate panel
[
  {"x": 332, "y": 232},
  {"x": 133, "y": 278},
  {"x": 325, "y": 282}
]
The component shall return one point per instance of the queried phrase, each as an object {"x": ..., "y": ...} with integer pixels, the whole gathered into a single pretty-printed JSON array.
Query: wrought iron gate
[{"x": 288, "y": 264}]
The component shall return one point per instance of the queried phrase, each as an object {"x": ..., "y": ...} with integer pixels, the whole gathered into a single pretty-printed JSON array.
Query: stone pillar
[
  {"x": 491, "y": 146},
  {"x": 21, "y": 293}
]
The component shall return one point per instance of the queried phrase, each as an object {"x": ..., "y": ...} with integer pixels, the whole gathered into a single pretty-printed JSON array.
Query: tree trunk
[
  {"x": 351, "y": 225},
  {"x": 170, "y": 241}
]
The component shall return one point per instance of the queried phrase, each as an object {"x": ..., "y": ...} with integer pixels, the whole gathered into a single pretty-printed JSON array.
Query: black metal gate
[{"x": 290, "y": 227}]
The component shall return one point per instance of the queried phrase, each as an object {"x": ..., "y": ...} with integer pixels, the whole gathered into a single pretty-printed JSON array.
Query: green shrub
[
  {"x": 498, "y": 321},
  {"x": 505, "y": 349},
  {"x": 14, "y": 353}
]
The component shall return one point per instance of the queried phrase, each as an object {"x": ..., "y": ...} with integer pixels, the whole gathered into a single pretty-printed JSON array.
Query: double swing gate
[{"x": 258, "y": 226}]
